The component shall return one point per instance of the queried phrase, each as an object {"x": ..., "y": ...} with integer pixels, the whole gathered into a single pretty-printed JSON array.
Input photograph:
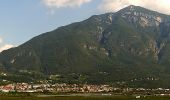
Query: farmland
[{"x": 84, "y": 98}]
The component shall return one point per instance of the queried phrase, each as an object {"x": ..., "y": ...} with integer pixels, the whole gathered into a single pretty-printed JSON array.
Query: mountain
[{"x": 130, "y": 47}]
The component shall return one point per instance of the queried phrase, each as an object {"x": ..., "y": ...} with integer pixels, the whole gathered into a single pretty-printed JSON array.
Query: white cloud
[
  {"x": 64, "y": 3},
  {"x": 162, "y": 6},
  {"x": 5, "y": 47}
]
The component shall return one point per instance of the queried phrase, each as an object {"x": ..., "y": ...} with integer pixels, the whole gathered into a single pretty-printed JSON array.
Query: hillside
[{"x": 129, "y": 47}]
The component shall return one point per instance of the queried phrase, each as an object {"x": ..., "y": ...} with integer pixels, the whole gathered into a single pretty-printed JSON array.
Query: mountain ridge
[{"x": 131, "y": 44}]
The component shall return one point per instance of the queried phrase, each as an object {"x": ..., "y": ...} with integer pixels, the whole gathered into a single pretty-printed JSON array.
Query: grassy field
[{"x": 85, "y": 98}]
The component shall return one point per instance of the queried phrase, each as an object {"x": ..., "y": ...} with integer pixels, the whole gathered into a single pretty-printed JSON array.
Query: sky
[{"x": 21, "y": 20}]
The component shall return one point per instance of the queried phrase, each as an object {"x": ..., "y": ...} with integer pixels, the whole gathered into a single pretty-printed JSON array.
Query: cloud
[
  {"x": 64, "y": 3},
  {"x": 5, "y": 47},
  {"x": 162, "y": 6}
]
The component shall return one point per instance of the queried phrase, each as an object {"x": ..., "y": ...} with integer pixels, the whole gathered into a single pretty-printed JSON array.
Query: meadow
[{"x": 85, "y": 98}]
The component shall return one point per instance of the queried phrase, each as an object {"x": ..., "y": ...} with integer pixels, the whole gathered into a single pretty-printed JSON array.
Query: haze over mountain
[{"x": 130, "y": 46}]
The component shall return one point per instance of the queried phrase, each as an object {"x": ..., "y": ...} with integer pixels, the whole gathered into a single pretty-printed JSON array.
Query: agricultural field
[{"x": 84, "y": 98}]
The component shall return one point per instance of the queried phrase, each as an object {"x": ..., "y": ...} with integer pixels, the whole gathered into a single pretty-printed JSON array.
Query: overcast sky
[{"x": 20, "y": 20}]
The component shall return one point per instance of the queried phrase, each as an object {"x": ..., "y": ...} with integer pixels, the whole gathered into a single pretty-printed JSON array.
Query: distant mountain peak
[
  {"x": 131, "y": 7},
  {"x": 143, "y": 16}
]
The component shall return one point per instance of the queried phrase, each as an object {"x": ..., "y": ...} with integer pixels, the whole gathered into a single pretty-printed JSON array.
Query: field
[{"x": 85, "y": 98}]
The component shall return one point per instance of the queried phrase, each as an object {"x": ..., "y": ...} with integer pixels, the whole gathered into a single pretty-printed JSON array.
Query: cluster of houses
[{"x": 82, "y": 88}]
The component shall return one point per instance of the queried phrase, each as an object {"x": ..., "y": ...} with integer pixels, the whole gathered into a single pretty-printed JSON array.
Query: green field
[{"x": 85, "y": 98}]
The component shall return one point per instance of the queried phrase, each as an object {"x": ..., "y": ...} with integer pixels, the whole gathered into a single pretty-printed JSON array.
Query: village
[
  {"x": 80, "y": 88},
  {"x": 61, "y": 88}
]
